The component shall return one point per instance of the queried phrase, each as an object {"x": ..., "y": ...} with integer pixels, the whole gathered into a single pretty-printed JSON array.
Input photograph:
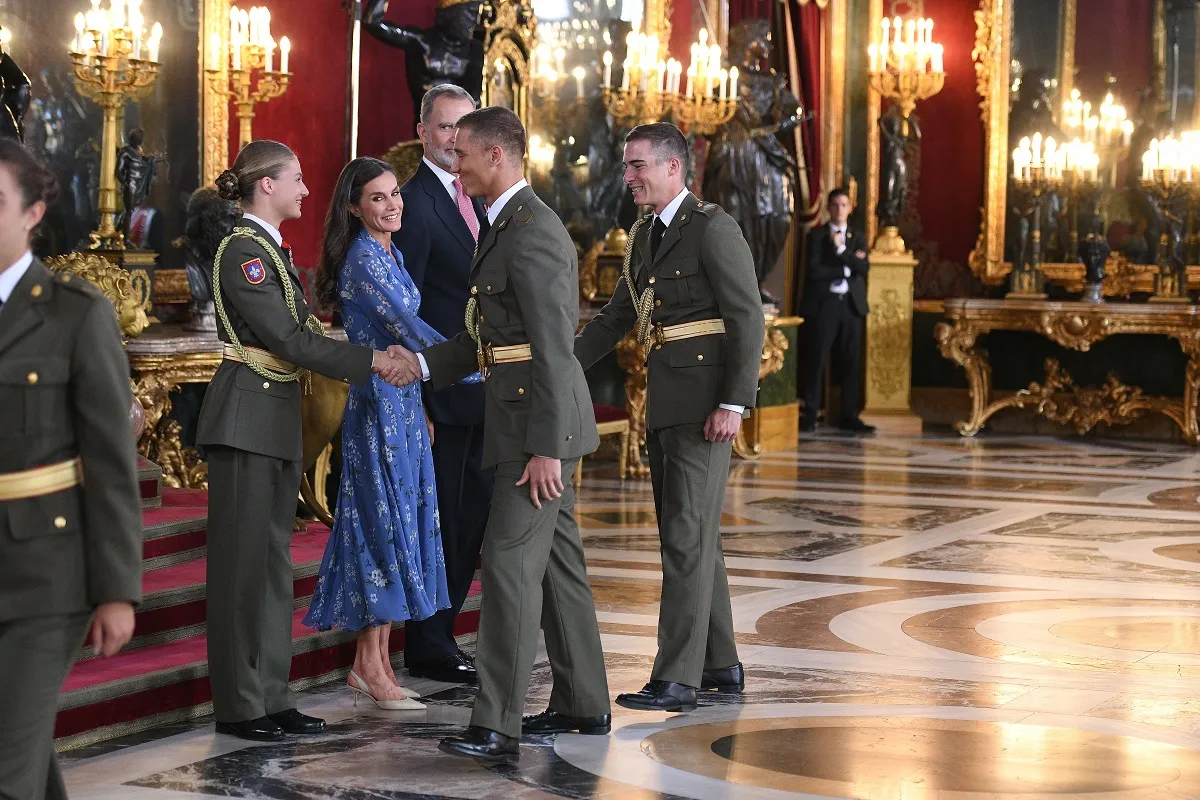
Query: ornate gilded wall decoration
[
  {"x": 889, "y": 351},
  {"x": 130, "y": 299}
]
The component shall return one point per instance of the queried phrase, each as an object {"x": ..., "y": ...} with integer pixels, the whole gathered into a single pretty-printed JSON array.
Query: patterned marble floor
[{"x": 921, "y": 617}]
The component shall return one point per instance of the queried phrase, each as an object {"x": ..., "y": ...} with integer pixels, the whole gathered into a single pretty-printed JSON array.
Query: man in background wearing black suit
[
  {"x": 834, "y": 307},
  {"x": 438, "y": 239}
]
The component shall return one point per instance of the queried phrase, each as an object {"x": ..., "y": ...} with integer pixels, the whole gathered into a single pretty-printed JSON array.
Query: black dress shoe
[
  {"x": 660, "y": 696},
  {"x": 725, "y": 679},
  {"x": 448, "y": 669},
  {"x": 466, "y": 657},
  {"x": 292, "y": 721},
  {"x": 553, "y": 722},
  {"x": 856, "y": 425},
  {"x": 256, "y": 730},
  {"x": 484, "y": 745}
]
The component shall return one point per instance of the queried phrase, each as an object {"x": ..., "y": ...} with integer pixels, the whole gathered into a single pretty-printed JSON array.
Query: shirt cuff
[
  {"x": 847, "y": 271},
  {"x": 739, "y": 410},
  {"x": 424, "y": 367}
]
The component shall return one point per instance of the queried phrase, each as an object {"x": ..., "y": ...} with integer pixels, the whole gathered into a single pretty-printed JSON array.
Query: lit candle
[
  {"x": 896, "y": 27},
  {"x": 886, "y": 24},
  {"x": 691, "y": 80},
  {"x": 910, "y": 33},
  {"x": 117, "y": 13},
  {"x": 723, "y": 82},
  {"x": 214, "y": 51},
  {"x": 733, "y": 87},
  {"x": 937, "y": 58},
  {"x": 607, "y": 69},
  {"x": 625, "y": 69},
  {"x": 578, "y": 73},
  {"x": 79, "y": 28},
  {"x": 1147, "y": 165},
  {"x": 155, "y": 39},
  {"x": 872, "y": 57},
  {"x": 269, "y": 54},
  {"x": 1126, "y": 132},
  {"x": 285, "y": 48}
]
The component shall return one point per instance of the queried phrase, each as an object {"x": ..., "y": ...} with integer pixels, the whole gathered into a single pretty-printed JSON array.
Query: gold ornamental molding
[
  {"x": 510, "y": 32},
  {"x": 214, "y": 112},
  {"x": 993, "y": 22},
  {"x": 1076, "y": 326},
  {"x": 127, "y": 290}
]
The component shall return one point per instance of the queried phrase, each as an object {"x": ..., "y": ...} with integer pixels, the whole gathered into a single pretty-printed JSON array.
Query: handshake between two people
[{"x": 396, "y": 365}]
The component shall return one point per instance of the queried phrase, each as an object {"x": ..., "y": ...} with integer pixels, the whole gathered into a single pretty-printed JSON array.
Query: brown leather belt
[
  {"x": 261, "y": 357},
  {"x": 40, "y": 481}
]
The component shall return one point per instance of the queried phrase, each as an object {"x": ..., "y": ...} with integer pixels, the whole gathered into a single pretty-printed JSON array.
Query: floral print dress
[{"x": 383, "y": 562}]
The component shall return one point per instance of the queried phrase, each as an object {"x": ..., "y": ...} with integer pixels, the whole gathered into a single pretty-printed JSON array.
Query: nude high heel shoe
[{"x": 359, "y": 686}]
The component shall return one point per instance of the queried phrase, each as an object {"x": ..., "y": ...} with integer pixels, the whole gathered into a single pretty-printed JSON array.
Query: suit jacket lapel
[
  {"x": 446, "y": 208},
  {"x": 516, "y": 201},
  {"x": 683, "y": 216},
  {"x": 23, "y": 312}
]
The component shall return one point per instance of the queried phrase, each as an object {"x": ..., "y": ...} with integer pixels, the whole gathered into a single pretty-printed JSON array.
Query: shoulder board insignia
[
  {"x": 527, "y": 219},
  {"x": 502, "y": 225},
  {"x": 707, "y": 208},
  {"x": 254, "y": 271}
]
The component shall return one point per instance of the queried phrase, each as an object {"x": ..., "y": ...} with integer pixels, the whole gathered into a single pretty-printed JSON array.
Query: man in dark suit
[
  {"x": 834, "y": 307},
  {"x": 438, "y": 238}
]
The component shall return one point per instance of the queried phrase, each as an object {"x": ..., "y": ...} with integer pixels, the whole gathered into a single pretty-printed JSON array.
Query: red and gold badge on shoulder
[{"x": 254, "y": 270}]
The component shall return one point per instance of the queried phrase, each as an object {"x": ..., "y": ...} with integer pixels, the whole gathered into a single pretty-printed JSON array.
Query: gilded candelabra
[
  {"x": 114, "y": 62},
  {"x": 650, "y": 86},
  {"x": 905, "y": 64},
  {"x": 251, "y": 49},
  {"x": 1077, "y": 186},
  {"x": 1170, "y": 188},
  {"x": 1032, "y": 184}
]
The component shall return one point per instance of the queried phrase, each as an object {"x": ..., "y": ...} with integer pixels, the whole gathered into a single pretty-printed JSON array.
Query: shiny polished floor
[{"x": 920, "y": 617}]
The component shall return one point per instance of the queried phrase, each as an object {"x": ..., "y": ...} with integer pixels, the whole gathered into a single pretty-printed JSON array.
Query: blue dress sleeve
[{"x": 387, "y": 293}]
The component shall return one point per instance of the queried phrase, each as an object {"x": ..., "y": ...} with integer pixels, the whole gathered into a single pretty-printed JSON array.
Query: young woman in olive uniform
[
  {"x": 70, "y": 551},
  {"x": 250, "y": 430}
]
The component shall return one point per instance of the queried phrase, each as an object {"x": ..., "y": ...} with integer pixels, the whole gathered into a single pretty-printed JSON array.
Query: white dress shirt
[
  {"x": 493, "y": 211},
  {"x": 272, "y": 231},
  {"x": 840, "y": 286},
  {"x": 12, "y": 276},
  {"x": 668, "y": 216},
  {"x": 447, "y": 178}
]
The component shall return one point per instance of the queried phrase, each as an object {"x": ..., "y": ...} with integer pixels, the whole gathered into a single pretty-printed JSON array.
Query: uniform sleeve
[
  {"x": 547, "y": 292},
  {"x": 611, "y": 325},
  {"x": 264, "y": 309},
  {"x": 112, "y": 510},
  {"x": 729, "y": 265},
  {"x": 450, "y": 361}
]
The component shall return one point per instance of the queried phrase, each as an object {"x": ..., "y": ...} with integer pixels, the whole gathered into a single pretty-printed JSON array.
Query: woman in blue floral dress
[{"x": 383, "y": 562}]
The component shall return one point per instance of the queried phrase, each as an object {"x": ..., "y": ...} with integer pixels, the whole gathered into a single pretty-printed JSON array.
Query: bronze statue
[
  {"x": 748, "y": 172},
  {"x": 135, "y": 173},
  {"x": 448, "y": 52},
  {"x": 15, "y": 95},
  {"x": 209, "y": 220},
  {"x": 1093, "y": 252},
  {"x": 893, "y": 181}
]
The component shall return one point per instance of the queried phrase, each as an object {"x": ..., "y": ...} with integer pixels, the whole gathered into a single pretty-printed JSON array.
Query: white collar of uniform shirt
[
  {"x": 668, "y": 214},
  {"x": 495, "y": 209},
  {"x": 271, "y": 229},
  {"x": 12, "y": 276}
]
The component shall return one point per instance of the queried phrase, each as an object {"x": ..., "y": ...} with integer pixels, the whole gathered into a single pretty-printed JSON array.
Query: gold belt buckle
[{"x": 658, "y": 335}]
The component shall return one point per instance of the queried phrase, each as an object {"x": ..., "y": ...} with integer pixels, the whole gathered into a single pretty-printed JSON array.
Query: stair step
[{"x": 149, "y": 477}]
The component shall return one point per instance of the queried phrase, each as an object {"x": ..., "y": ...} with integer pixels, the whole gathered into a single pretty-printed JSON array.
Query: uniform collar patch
[{"x": 254, "y": 271}]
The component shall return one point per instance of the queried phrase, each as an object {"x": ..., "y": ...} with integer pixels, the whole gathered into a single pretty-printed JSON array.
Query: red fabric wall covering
[
  {"x": 384, "y": 109},
  {"x": 952, "y": 152},
  {"x": 806, "y": 28},
  {"x": 1112, "y": 38},
  {"x": 311, "y": 117}
]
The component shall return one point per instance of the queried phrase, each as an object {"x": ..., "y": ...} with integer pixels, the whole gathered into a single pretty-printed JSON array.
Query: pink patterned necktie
[{"x": 466, "y": 209}]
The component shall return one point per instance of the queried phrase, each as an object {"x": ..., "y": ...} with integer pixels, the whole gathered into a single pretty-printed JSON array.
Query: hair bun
[{"x": 228, "y": 186}]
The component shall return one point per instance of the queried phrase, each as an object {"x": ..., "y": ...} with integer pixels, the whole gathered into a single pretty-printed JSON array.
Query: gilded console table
[
  {"x": 162, "y": 359},
  {"x": 1076, "y": 326}
]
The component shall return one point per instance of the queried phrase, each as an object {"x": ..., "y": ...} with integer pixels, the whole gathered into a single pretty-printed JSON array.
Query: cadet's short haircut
[
  {"x": 494, "y": 126},
  {"x": 666, "y": 142}
]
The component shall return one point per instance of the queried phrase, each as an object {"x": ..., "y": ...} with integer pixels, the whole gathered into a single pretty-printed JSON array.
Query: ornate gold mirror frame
[
  {"x": 214, "y": 107},
  {"x": 510, "y": 33},
  {"x": 992, "y": 56}
]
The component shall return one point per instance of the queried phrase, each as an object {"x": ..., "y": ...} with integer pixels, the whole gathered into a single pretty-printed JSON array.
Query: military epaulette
[
  {"x": 77, "y": 284},
  {"x": 527, "y": 218},
  {"x": 706, "y": 208}
]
